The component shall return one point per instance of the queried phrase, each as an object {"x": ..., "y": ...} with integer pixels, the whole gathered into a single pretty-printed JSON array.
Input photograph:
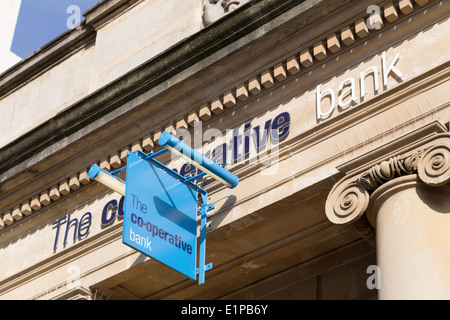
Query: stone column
[{"x": 402, "y": 206}]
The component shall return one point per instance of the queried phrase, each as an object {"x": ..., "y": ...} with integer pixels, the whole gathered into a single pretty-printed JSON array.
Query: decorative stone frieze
[
  {"x": 213, "y": 10},
  {"x": 349, "y": 199}
]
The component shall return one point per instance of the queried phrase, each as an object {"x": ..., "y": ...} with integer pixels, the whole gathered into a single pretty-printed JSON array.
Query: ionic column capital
[{"x": 349, "y": 198}]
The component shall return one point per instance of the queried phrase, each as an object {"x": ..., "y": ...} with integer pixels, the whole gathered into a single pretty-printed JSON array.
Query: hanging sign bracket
[{"x": 161, "y": 206}]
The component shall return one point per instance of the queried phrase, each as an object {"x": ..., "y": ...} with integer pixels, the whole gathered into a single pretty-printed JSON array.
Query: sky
[{"x": 40, "y": 21}]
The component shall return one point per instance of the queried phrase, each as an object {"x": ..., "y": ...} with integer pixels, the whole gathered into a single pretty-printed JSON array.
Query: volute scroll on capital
[
  {"x": 434, "y": 166},
  {"x": 350, "y": 197}
]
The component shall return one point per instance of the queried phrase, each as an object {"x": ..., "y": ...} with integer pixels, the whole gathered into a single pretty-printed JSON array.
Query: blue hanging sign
[
  {"x": 160, "y": 216},
  {"x": 161, "y": 206}
]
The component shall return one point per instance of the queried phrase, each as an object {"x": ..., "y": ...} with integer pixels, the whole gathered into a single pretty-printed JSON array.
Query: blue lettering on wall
[
  {"x": 280, "y": 126},
  {"x": 260, "y": 136},
  {"x": 111, "y": 206},
  {"x": 79, "y": 229},
  {"x": 240, "y": 143}
]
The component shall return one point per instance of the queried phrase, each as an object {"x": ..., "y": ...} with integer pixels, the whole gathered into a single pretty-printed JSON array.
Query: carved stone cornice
[{"x": 350, "y": 197}]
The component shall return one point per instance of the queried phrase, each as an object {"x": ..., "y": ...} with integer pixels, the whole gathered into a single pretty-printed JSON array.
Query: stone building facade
[{"x": 333, "y": 114}]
